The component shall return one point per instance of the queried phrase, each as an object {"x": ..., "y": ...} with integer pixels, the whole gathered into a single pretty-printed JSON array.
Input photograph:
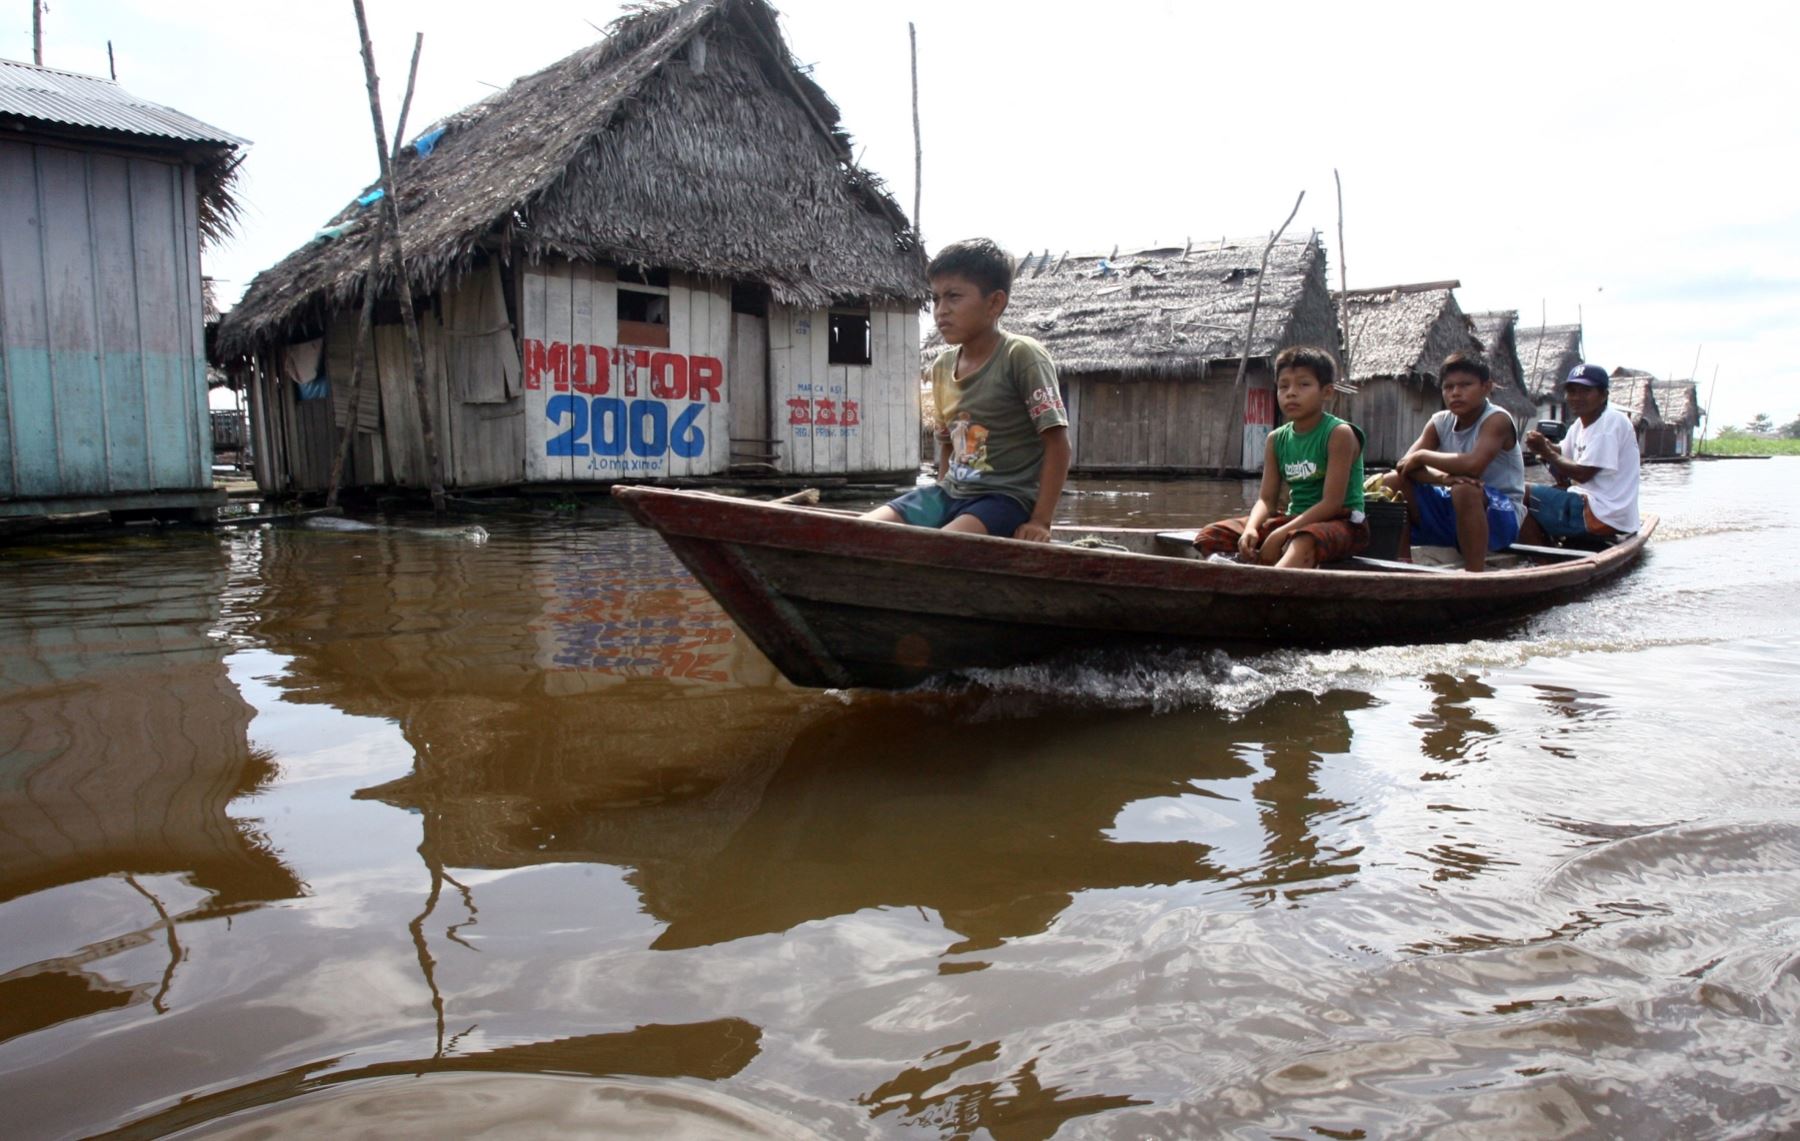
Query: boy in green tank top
[{"x": 1320, "y": 458}]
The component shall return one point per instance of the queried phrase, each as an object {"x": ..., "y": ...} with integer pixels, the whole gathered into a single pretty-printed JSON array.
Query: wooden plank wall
[
  {"x": 625, "y": 412},
  {"x": 1391, "y": 411},
  {"x": 844, "y": 419},
  {"x": 1182, "y": 424},
  {"x": 482, "y": 441},
  {"x": 102, "y": 375}
]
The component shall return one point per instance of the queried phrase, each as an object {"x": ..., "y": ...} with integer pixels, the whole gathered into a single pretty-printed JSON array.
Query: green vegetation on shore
[{"x": 1737, "y": 444}]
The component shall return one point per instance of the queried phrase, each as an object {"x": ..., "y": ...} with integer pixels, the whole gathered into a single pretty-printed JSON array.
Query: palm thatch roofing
[
  {"x": 1497, "y": 332},
  {"x": 1405, "y": 330},
  {"x": 1170, "y": 311},
  {"x": 686, "y": 139},
  {"x": 1678, "y": 401},
  {"x": 86, "y": 108},
  {"x": 1547, "y": 353},
  {"x": 1633, "y": 393}
]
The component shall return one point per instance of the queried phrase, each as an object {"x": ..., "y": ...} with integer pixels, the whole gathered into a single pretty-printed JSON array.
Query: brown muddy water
[{"x": 378, "y": 834}]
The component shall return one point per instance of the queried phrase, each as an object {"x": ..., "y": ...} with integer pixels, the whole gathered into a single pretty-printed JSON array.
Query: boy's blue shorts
[
  {"x": 932, "y": 506},
  {"x": 1437, "y": 518},
  {"x": 1560, "y": 512}
]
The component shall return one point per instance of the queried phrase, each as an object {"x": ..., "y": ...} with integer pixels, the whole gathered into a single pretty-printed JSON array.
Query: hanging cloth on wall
[{"x": 304, "y": 364}]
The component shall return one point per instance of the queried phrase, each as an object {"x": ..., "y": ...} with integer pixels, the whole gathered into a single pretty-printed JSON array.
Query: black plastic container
[{"x": 1386, "y": 523}]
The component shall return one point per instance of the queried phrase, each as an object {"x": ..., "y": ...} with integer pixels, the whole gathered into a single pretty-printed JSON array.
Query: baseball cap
[{"x": 1591, "y": 374}]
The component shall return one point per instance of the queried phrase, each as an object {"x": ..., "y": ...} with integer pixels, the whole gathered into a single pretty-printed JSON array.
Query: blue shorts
[
  {"x": 932, "y": 506},
  {"x": 1560, "y": 512},
  {"x": 1437, "y": 518}
]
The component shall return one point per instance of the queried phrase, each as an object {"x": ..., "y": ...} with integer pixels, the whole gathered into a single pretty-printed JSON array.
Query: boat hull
[{"x": 834, "y": 600}]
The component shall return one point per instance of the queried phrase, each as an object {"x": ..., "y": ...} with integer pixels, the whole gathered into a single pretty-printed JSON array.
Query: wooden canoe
[{"x": 835, "y": 600}]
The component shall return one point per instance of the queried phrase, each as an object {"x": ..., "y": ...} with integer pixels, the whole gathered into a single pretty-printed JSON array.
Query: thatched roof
[
  {"x": 1405, "y": 330},
  {"x": 1497, "y": 332},
  {"x": 687, "y": 139},
  {"x": 86, "y": 108},
  {"x": 1633, "y": 393},
  {"x": 1678, "y": 401},
  {"x": 1170, "y": 311},
  {"x": 1547, "y": 353}
]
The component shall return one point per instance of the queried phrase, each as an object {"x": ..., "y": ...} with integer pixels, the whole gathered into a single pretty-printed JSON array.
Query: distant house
[
  {"x": 1399, "y": 336},
  {"x": 655, "y": 258},
  {"x": 1679, "y": 403},
  {"x": 105, "y": 201},
  {"x": 1633, "y": 392},
  {"x": 1546, "y": 354},
  {"x": 1497, "y": 331},
  {"x": 1147, "y": 345}
]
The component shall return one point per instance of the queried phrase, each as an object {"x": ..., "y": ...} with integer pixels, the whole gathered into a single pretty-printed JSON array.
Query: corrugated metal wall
[{"x": 103, "y": 376}]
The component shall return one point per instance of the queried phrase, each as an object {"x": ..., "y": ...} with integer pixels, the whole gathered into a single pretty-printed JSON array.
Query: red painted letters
[{"x": 591, "y": 370}]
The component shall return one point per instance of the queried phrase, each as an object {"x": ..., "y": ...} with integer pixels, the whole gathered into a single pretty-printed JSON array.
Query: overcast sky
[{"x": 1605, "y": 161}]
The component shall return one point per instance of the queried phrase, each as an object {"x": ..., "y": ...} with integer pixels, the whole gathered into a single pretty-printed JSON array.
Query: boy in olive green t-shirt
[
  {"x": 1003, "y": 438},
  {"x": 1320, "y": 458}
]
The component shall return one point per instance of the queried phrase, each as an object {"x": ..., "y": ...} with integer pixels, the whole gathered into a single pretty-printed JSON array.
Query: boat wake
[{"x": 1179, "y": 680}]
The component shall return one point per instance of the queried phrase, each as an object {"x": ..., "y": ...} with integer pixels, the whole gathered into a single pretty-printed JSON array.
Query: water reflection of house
[
  {"x": 1399, "y": 337},
  {"x": 654, "y": 258},
  {"x": 1546, "y": 354},
  {"x": 112, "y": 768},
  {"x": 105, "y": 199},
  {"x": 995, "y": 826},
  {"x": 124, "y": 746},
  {"x": 1147, "y": 346},
  {"x": 625, "y": 608}
]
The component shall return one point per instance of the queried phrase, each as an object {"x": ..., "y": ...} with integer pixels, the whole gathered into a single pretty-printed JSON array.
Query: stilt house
[
  {"x": 653, "y": 259},
  {"x": 1497, "y": 332},
  {"x": 105, "y": 200},
  {"x": 1147, "y": 346},
  {"x": 1399, "y": 336},
  {"x": 1679, "y": 403},
  {"x": 1547, "y": 353},
  {"x": 1634, "y": 394}
]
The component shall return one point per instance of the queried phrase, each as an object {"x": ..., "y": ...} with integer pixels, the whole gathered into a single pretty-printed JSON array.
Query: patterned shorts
[{"x": 1338, "y": 537}]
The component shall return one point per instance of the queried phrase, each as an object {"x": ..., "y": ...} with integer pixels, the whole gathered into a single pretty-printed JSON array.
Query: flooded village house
[
  {"x": 1497, "y": 330},
  {"x": 1679, "y": 403},
  {"x": 105, "y": 202},
  {"x": 1147, "y": 345},
  {"x": 1547, "y": 353},
  {"x": 1633, "y": 392},
  {"x": 1399, "y": 336},
  {"x": 655, "y": 258}
]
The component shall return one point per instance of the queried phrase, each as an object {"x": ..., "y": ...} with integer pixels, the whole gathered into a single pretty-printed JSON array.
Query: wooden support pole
[
  {"x": 402, "y": 284},
  {"x": 1343, "y": 279},
  {"x": 366, "y": 322},
  {"x": 1706, "y": 416},
  {"x": 912, "y": 34},
  {"x": 1231, "y": 417},
  {"x": 1538, "y": 352},
  {"x": 37, "y": 32}
]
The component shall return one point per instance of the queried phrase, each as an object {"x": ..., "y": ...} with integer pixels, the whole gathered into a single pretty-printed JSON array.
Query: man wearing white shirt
[{"x": 1596, "y": 469}]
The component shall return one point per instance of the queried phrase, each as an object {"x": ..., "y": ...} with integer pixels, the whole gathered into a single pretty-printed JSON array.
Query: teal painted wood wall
[{"x": 102, "y": 364}]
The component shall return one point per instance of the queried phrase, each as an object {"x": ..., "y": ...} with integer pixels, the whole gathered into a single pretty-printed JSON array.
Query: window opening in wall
[
  {"x": 643, "y": 307},
  {"x": 750, "y": 297},
  {"x": 850, "y": 341}
]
